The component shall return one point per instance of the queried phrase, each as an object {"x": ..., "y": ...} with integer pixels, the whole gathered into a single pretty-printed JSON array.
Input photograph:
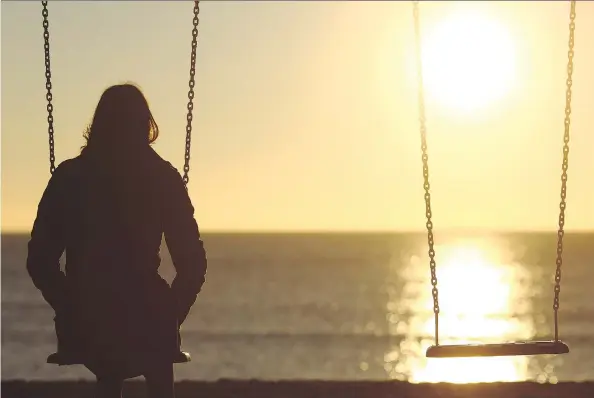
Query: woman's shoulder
[
  {"x": 164, "y": 166},
  {"x": 69, "y": 168}
]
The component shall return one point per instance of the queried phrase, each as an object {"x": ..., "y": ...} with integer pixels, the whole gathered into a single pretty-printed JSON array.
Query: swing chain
[
  {"x": 565, "y": 164},
  {"x": 425, "y": 159},
  {"x": 48, "y": 86},
  {"x": 192, "y": 83}
]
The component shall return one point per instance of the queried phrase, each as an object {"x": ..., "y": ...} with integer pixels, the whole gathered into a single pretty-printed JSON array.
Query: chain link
[
  {"x": 192, "y": 83},
  {"x": 48, "y": 86},
  {"x": 425, "y": 159},
  {"x": 565, "y": 165}
]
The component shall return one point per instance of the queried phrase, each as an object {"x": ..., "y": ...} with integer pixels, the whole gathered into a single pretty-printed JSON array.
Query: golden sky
[{"x": 307, "y": 111}]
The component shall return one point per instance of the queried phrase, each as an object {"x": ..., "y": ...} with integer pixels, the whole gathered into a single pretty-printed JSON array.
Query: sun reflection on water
[{"x": 481, "y": 299}]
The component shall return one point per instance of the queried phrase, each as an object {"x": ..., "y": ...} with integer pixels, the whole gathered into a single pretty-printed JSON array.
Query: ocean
[{"x": 349, "y": 307}]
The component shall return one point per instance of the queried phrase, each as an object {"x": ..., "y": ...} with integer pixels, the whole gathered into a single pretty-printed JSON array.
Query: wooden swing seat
[
  {"x": 497, "y": 350},
  {"x": 62, "y": 359}
]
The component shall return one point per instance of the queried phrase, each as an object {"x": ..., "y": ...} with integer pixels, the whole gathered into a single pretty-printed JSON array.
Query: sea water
[{"x": 349, "y": 307}]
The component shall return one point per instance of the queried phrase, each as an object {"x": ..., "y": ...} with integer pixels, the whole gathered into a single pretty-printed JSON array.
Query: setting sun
[{"x": 468, "y": 61}]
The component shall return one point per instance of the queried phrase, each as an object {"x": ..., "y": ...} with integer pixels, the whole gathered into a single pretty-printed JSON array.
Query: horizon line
[{"x": 304, "y": 231}]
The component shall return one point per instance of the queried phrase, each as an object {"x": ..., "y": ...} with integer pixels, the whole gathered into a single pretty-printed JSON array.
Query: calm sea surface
[{"x": 349, "y": 306}]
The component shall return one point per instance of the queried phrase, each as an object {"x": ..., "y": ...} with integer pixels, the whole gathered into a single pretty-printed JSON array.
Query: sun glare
[
  {"x": 480, "y": 302},
  {"x": 468, "y": 62}
]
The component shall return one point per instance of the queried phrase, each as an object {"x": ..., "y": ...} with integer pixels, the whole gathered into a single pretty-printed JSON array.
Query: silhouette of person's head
[{"x": 122, "y": 122}]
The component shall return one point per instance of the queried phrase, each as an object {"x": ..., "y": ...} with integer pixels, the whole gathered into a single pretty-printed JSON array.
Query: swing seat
[
  {"x": 497, "y": 350},
  {"x": 62, "y": 358}
]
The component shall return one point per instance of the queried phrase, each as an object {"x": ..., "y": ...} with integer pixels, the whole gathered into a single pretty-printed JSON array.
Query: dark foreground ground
[{"x": 309, "y": 389}]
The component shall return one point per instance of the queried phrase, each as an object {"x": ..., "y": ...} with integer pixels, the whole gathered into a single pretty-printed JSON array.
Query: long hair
[{"x": 122, "y": 124}]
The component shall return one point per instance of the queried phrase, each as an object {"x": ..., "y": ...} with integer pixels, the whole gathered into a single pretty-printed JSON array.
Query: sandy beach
[{"x": 309, "y": 389}]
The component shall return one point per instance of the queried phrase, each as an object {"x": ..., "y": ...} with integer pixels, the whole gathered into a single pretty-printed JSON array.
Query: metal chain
[
  {"x": 189, "y": 117},
  {"x": 565, "y": 165},
  {"x": 190, "y": 107},
  {"x": 192, "y": 83},
  {"x": 425, "y": 159},
  {"x": 48, "y": 86}
]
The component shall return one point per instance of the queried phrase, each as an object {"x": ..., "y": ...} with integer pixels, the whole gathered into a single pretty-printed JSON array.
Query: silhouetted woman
[{"x": 108, "y": 209}]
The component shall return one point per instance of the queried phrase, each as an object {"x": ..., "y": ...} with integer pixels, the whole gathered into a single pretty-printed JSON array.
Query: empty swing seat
[
  {"x": 59, "y": 358},
  {"x": 497, "y": 350}
]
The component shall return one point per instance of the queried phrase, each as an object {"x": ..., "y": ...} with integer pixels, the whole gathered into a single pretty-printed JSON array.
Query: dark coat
[{"x": 111, "y": 305}]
